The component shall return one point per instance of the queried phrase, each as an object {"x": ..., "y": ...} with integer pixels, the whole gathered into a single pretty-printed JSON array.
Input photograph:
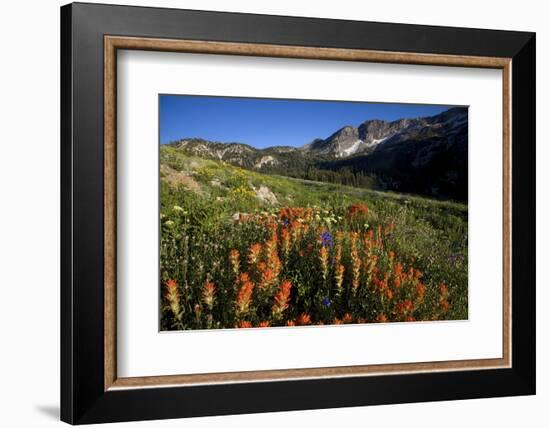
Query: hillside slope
[{"x": 427, "y": 156}]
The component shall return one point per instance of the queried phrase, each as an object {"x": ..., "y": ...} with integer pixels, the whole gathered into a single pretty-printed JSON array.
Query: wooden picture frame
[{"x": 91, "y": 390}]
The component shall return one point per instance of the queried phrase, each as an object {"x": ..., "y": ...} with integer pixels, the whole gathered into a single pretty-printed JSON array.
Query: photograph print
[{"x": 283, "y": 212}]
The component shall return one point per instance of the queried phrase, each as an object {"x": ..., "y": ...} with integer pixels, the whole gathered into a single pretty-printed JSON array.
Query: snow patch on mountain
[
  {"x": 377, "y": 141},
  {"x": 266, "y": 160},
  {"x": 352, "y": 149}
]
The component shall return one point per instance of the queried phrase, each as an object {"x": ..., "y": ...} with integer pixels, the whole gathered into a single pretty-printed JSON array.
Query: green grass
[{"x": 198, "y": 234}]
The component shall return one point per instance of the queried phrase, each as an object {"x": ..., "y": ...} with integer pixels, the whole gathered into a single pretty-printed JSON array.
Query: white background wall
[{"x": 29, "y": 212}]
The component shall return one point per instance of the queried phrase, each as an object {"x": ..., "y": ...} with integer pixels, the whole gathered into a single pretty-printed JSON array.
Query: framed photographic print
[{"x": 265, "y": 213}]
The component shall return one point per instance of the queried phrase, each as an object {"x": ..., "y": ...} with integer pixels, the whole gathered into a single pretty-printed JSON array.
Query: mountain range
[{"x": 427, "y": 155}]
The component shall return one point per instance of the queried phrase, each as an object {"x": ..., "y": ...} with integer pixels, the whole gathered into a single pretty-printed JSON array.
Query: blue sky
[{"x": 263, "y": 122}]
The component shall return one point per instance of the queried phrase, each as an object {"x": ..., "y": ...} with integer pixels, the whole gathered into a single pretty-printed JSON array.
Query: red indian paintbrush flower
[
  {"x": 355, "y": 262},
  {"x": 290, "y": 213},
  {"x": 443, "y": 296},
  {"x": 244, "y": 296},
  {"x": 381, "y": 318},
  {"x": 254, "y": 254},
  {"x": 443, "y": 291},
  {"x": 268, "y": 279},
  {"x": 296, "y": 231},
  {"x": 208, "y": 292},
  {"x": 339, "y": 277},
  {"x": 347, "y": 318},
  {"x": 285, "y": 241},
  {"x": 272, "y": 257},
  {"x": 244, "y": 324},
  {"x": 398, "y": 275},
  {"x": 420, "y": 291},
  {"x": 337, "y": 253},
  {"x": 303, "y": 319},
  {"x": 234, "y": 260},
  {"x": 281, "y": 299},
  {"x": 172, "y": 296},
  {"x": 406, "y": 307},
  {"x": 357, "y": 210}
]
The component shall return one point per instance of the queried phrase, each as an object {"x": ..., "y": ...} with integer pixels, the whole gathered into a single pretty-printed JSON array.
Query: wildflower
[
  {"x": 337, "y": 254},
  {"x": 369, "y": 235},
  {"x": 357, "y": 210},
  {"x": 323, "y": 257},
  {"x": 296, "y": 230},
  {"x": 263, "y": 324},
  {"x": 281, "y": 299},
  {"x": 208, "y": 291},
  {"x": 347, "y": 318},
  {"x": 326, "y": 239},
  {"x": 381, "y": 318},
  {"x": 443, "y": 296},
  {"x": 404, "y": 308},
  {"x": 303, "y": 319},
  {"x": 254, "y": 254},
  {"x": 381, "y": 284},
  {"x": 267, "y": 279},
  {"x": 244, "y": 324},
  {"x": 244, "y": 296},
  {"x": 339, "y": 277},
  {"x": 290, "y": 323},
  {"x": 285, "y": 239},
  {"x": 326, "y": 302},
  {"x": 244, "y": 277},
  {"x": 178, "y": 209},
  {"x": 443, "y": 291},
  {"x": 290, "y": 213},
  {"x": 169, "y": 223},
  {"x": 273, "y": 261},
  {"x": 389, "y": 228},
  {"x": 234, "y": 260},
  {"x": 420, "y": 291},
  {"x": 337, "y": 321},
  {"x": 355, "y": 262},
  {"x": 369, "y": 267},
  {"x": 397, "y": 275},
  {"x": 262, "y": 266},
  {"x": 173, "y": 297},
  {"x": 410, "y": 274}
]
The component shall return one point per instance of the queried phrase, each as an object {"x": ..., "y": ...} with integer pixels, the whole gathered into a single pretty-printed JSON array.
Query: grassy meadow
[{"x": 244, "y": 249}]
